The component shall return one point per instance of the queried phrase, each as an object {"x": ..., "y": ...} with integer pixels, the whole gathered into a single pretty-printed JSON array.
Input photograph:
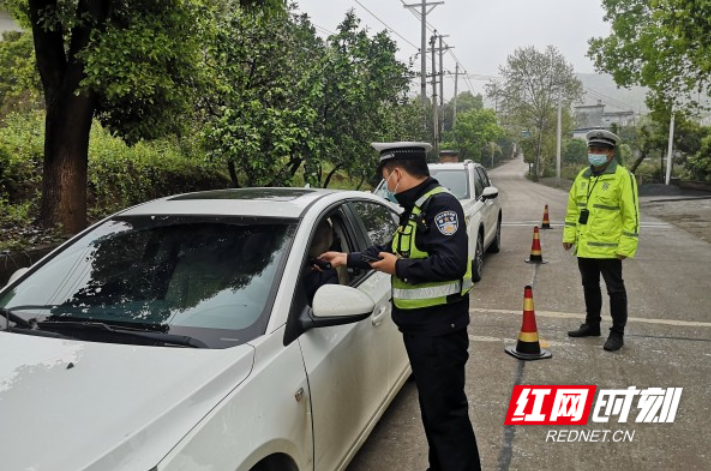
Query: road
[{"x": 667, "y": 345}]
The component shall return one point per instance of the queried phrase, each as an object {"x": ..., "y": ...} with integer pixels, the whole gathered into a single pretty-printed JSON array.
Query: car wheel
[
  {"x": 495, "y": 246},
  {"x": 478, "y": 261}
]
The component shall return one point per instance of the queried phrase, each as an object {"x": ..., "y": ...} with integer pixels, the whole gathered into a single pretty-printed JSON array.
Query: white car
[
  {"x": 181, "y": 335},
  {"x": 470, "y": 183}
]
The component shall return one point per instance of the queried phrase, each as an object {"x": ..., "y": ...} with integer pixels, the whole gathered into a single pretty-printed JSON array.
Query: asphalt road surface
[{"x": 667, "y": 345}]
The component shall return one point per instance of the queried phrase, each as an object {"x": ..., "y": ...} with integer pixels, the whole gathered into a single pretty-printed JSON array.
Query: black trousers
[
  {"x": 611, "y": 270},
  {"x": 438, "y": 366}
]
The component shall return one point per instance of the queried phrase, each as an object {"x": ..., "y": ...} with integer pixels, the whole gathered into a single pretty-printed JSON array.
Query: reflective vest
[
  {"x": 612, "y": 227},
  {"x": 436, "y": 293}
]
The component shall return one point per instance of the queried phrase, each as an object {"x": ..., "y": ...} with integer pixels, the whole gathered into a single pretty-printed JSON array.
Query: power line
[
  {"x": 322, "y": 29},
  {"x": 610, "y": 101},
  {"x": 386, "y": 25}
]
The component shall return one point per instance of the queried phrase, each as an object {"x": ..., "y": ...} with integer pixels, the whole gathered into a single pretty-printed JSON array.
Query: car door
[
  {"x": 490, "y": 209},
  {"x": 345, "y": 365},
  {"x": 379, "y": 223}
]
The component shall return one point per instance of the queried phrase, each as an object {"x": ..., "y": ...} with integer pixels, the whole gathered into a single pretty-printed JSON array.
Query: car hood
[{"x": 72, "y": 405}]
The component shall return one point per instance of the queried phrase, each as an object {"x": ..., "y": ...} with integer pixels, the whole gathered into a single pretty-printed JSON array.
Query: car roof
[
  {"x": 262, "y": 202},
  {"x": 452, "y": 165}
]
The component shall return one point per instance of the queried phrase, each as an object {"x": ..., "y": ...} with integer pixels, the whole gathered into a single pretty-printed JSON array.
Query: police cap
[
  {"x": 601, "y": 137},
  {"x": 401, "y": 150}
]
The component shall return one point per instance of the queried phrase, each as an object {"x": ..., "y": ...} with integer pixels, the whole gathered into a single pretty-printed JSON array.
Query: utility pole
[
  {"x": 454, "y": 102},
  {"x": 423, "y": 47},
  {"x": 558, "y": 138},
  {"x": 435, "y": 103},
  {"x": 670, "y": 147},
  {"x": 441, "y": 82}
]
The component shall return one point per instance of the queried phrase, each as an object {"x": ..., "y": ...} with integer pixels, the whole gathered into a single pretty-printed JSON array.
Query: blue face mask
[
  {"x": 597, "y": 160},
  {"x": 390, "y": 195}
]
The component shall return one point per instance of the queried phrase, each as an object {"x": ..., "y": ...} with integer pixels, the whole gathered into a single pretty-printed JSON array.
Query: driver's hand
[{"x": 336, "y": 259}]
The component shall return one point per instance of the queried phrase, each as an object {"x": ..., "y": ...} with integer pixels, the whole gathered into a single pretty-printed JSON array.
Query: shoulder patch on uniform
[{"x": 447, "y": 222}]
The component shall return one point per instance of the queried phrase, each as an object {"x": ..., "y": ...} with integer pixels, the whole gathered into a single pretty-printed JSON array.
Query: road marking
[
  {"x": 558, "y": 224},
  {"x": 571, "y": 315}
]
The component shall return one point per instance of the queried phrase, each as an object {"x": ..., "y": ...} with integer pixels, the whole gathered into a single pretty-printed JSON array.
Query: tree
[
  {"x": 575, "y": 151},
  {"x": 128, "y": 63},
  {"x": 364, "y": 89},
  {"x": 465, "y": 102},
  {"x": 699, "y": 165},
  {"x": 260, "y": 113},
  {"x": 475, "y": 134},
  {"x": 20, "y": 87},
  {"x": 527, "y": 97},
  {"x": 661, "y": 44},
  {"x": 289, "y": 102}
]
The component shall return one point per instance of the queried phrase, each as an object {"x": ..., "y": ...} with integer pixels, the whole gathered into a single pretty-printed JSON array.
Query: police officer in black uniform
[{"x": 431, "y": 274}]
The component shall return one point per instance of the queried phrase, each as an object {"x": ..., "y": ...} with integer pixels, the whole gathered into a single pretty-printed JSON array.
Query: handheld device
[
  {"x": 322, "y": 264},
  {"x": 369, "y": 259}
]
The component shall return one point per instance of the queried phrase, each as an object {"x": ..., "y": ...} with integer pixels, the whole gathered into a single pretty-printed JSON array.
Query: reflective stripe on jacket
[
  {"x": 414, "y": 296},
  {"x": 612, "y": 227}
]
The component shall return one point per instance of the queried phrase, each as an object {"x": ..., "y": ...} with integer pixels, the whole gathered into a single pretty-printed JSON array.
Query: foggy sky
[{"x": 483, "y": 33}]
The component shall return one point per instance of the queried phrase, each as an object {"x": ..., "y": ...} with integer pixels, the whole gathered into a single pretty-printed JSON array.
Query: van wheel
[
  {"x": 478, "y": 260},
  {"x": 495, "y": 246}
]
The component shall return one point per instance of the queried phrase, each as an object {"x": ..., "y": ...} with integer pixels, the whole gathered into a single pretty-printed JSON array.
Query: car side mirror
[
  {"x": 338, "y": 302},
  {"x": 332, "y": 305},
  {"x": 490, "y": 192},
  {"x": 336, "y": 305}
]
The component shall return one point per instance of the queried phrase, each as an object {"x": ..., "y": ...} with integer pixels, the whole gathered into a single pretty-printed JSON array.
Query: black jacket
[{"x": 448, "y": 256}]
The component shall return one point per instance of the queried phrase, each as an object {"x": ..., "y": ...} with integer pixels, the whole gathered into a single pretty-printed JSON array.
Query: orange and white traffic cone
[
  {"x": 528, "y": 347},
  {"x": 536, "y": 255},
  {"x": 546, "y": 222}
]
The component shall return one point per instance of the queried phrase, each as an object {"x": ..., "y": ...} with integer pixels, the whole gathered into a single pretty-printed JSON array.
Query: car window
[
  {"x": 380, "y": 222},
  {"x": 484, "y": 176},
  {"x": 454, "y": 180},
  {"x": 478, "y": 183},
  {"x": 208, "y": 278}
]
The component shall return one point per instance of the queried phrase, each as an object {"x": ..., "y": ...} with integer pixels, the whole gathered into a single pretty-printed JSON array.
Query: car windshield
[
  {"x": 454, "y": 180},
  {"x": 208, "y": 278}
]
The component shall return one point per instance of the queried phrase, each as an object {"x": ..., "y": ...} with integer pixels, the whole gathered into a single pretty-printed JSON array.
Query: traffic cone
[
  {"x": 546, "y": 222},
  {"x": 528, "y": 346},
  {"x": 536, "y": 256}
]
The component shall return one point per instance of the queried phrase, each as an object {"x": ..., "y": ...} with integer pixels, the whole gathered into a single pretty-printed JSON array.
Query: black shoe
[
  {"x": 585, "y": 330},
  {"x": 614, "y": 342}
]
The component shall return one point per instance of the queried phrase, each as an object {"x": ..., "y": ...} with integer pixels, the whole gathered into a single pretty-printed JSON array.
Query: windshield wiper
[
  {"x": 12, "y": 317},
  {"x": 157, "y": 336},
  {"x": 38, "y": 333}
]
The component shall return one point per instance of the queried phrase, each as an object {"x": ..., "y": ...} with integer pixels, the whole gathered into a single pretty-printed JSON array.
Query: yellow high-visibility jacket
[{"x": 612, "y": 227}]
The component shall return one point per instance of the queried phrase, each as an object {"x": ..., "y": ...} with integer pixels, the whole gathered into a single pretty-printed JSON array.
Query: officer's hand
[
  {"x": 336, "y": 259},
  {"x": 387, "y": 264},
  {"x": 621, "y": 257},
  {"x": 567, "y": 245}
]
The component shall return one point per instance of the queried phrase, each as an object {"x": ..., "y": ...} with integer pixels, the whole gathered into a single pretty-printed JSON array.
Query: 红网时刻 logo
[{"x": 573, "y": 405}]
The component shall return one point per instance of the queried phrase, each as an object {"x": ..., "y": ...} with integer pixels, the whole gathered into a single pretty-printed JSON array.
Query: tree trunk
[
  {"x": 360, "y": 183},
  {"x": 69, "y": 115},
  {"x": 637, "y": 163},
  {"x": 331, "y": 174},
  {"x": 66, "y": 148},
  {"x": 234, "y": 181}
]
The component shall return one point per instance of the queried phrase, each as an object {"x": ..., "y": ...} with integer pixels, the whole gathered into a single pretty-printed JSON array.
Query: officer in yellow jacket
[
  {"x": 602, "y": 222},
  {"x": 431, "y": 277}
]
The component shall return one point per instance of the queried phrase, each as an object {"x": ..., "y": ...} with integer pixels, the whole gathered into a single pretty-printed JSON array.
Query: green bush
[
  {"x": 119, "y": 175},
  {"x": 21, "y": 150}
]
